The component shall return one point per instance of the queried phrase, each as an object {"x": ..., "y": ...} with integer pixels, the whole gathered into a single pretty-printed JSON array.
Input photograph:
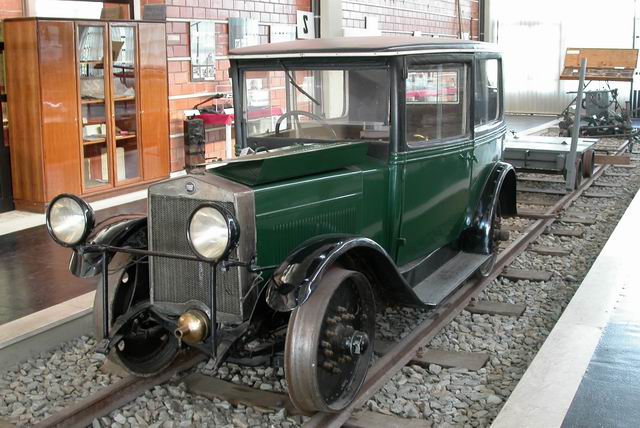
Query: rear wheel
[
  {"x": 330, "y": 342},
  {"x": 148, "y": 347},
  {"x": 494, "y": 235}
]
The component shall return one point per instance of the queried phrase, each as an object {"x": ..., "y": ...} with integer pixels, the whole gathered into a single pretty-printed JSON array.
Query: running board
[{"x": 436, "y": 287}]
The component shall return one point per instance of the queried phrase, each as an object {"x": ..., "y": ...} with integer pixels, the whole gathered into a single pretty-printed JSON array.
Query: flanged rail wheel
[
  {"x": 147, "y": 348},
  {"x": 495, "y": 233},
  {"x": 330, "y": 342}
]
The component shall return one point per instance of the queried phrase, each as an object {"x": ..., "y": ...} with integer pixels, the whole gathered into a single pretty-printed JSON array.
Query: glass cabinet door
[
  {"x": 123, "y": 87},
  {"x": 93, "y": 108}
]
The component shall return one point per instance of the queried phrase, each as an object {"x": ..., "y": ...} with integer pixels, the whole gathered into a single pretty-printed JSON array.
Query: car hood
[{"x": 292, "y": 162}]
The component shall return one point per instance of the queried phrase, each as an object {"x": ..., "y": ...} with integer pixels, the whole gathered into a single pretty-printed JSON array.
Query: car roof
[{"x": 360, "y": 46}]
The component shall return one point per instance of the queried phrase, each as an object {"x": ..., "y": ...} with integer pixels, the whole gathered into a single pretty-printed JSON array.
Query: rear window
[
  {"x": 487, "y": 92},
  {"x": 436, "y": 103}
]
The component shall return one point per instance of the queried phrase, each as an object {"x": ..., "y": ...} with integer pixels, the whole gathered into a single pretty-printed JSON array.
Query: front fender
[
  {"x": 117, "y": 231},
  {"x": 500, "y": 187},
  {"x": 297, "y": 277}
]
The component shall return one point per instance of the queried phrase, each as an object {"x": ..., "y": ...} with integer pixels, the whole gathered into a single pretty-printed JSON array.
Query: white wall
[{"x": 534, "y": 35}]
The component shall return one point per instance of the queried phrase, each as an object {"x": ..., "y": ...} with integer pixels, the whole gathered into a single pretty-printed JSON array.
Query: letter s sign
[{"x": 305, "y": 25}]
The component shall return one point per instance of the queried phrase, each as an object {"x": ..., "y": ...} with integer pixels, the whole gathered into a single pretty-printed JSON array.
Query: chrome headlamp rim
[
  {"x": 87, "y": 213},
  {"x": 233, "y": 231}
]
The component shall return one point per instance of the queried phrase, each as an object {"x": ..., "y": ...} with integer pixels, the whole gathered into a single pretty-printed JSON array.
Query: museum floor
[{"x": 33, "y": 269}]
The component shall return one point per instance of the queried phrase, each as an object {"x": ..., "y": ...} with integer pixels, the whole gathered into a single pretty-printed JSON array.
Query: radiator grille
[{"x": 178, "y": 281}]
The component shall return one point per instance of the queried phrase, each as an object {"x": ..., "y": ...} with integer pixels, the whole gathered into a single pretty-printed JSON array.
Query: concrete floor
[
  {"x": 521, "y": 122},
  {"x": 587, "y": 373}
]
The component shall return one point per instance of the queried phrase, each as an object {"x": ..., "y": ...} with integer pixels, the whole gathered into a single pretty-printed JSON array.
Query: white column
[
  {"x": 137, "y": 9},
  {"x": 330, "y": 18}
]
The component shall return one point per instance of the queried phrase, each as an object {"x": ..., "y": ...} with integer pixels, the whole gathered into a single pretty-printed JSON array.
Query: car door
[
  {"x": 436, "y": 159},
  {"x": 489, "y": 126}
]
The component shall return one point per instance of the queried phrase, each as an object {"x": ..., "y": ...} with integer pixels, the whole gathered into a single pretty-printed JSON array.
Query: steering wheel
[{"x": 296, "y": 113}]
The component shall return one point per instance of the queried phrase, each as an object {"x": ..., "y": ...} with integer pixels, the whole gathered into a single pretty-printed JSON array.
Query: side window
[
  {"x": 487, "y": 92},
  {"x": 436, "y": 103}
]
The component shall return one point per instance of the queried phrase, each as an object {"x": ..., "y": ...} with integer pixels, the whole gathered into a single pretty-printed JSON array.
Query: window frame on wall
[
  {"x": 416, "y": 63},
  {"x": 481, "y": 128},
  {"x": 212, "y": 66}
]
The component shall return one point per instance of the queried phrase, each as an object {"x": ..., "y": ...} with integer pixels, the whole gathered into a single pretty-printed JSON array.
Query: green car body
[
  {"x": 412, "y": 202},
  {"x": 375, "y": 160}
]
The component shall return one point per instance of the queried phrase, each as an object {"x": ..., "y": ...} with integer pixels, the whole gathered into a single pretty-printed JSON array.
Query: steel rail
[
  {"x": 401, "y": 353},
  {"x": 112, "y": 397}
]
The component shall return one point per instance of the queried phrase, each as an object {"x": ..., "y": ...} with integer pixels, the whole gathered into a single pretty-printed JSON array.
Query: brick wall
[
  {"x": 10, "y": 8},
  {"x": 431, "y": 17}
]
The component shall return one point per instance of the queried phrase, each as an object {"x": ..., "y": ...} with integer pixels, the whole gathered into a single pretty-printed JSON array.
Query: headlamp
[
  {"x": 212, "y": 232},
  {"x": 69, "y": 220}
]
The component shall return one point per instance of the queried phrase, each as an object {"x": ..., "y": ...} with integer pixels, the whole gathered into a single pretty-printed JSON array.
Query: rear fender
[
  {"x": 126, "y": 230},
  {"x": 500, "y": 187},
  {"x": 298, "y": 276}
]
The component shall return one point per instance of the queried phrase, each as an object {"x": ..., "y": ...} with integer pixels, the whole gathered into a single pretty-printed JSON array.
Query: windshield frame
[{"x": 239, "y": 67}]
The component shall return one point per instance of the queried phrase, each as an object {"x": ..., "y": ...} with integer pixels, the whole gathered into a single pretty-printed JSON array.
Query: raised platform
[
  {"x": 587, "y": 373},
  {"x": 34, "y": 271}
]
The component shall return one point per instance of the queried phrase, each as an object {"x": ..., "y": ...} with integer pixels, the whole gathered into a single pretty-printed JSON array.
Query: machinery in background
[{"x": 603, "y": 115}]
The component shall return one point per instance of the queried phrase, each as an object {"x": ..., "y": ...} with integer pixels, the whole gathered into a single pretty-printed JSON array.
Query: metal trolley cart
[{"x": 534, "y": 153}]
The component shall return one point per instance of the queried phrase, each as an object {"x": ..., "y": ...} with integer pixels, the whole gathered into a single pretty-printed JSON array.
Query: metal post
[
  {"x": 570, "y": 161},
  {"x": 105, "y": 296},
  {"x": 214, "y": 309},
  {"x": 228, "y": 142}
]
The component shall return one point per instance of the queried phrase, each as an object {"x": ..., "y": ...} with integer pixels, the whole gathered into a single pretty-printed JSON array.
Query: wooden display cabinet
[{"x": 88, "y": 105}]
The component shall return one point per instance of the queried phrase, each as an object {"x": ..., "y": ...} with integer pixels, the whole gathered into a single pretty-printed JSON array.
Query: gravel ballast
[{"x": 442, "y": 397}]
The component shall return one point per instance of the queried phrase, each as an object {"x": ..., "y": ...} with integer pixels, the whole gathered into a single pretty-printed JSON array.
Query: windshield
[{"x": 285, "y": 106}]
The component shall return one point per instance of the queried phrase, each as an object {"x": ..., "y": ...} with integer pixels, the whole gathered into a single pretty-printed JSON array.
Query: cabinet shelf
[
  {"x": 101, "y": 100},
  {"x": 125, "y": 137},
  {"x": 92, "y": 101},
  {"x": 94, "y": 141}
]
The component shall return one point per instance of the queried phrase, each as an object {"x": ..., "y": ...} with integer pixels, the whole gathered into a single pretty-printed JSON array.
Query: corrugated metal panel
[
  {"x": 531, "y": 69},
  {"x": 534, "y": 47}
]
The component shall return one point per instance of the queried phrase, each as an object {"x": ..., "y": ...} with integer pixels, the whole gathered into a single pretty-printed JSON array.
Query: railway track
[
  {"x": 83, "y": 412},
  {"x": 397, "y": 357}
]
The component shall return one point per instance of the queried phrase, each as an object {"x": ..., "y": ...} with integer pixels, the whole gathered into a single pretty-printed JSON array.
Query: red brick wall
[
  {"x": 431, "y": 17},
  {"x": 10, "y": 8}
]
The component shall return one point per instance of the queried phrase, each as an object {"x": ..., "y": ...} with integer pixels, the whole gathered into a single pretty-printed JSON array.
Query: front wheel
[
  {"x": 330, "y": 342},
  {"x": 147, "y": 348}
]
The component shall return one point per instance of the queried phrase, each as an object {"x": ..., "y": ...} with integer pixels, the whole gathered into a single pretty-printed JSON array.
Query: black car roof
[{"x": 360, "y": 46}]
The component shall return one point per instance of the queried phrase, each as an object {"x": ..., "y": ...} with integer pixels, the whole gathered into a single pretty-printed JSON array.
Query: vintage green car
[{"x": 368, "y": 174}]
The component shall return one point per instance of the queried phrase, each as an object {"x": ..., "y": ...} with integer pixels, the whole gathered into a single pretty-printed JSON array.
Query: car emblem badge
[{"x": 190, "y": 187}]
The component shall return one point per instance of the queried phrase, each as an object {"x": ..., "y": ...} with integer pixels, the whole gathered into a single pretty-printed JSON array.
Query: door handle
[{"x": 468, "y": 157}]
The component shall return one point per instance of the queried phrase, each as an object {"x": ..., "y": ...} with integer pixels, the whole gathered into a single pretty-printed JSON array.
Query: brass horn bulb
[{"x": 193, "y": 327}]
